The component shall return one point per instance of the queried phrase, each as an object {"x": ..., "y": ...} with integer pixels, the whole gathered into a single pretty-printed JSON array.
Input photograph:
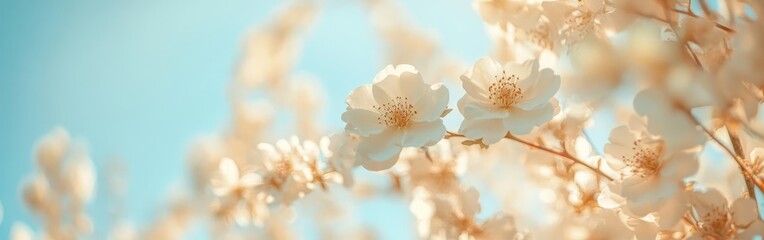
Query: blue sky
[{"x": 140, "y": 80}]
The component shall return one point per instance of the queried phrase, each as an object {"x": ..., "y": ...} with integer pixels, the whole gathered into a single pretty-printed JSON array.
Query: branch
[{"x": 561, "y": 154}]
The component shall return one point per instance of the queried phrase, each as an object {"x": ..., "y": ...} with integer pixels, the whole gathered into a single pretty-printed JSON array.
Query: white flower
[
  {"x": 82, "y": 179},
  {"x": 286, "y": 173},
  {"x": 21, "y": 231},
  {"x": 341, "y": 155},
  {"x": 511, "y": 98},
  {"x": 397, "y": 110},
  {"x": 716, "y": 218},
  {"x": 521, "y": 14},
  {"x": 230, "y": 180},
  {"x": 454, "y": 216},
  {"x": 652, "y": 172}
]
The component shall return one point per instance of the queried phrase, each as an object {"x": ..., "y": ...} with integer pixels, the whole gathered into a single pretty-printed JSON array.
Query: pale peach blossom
[
  {"x": 513, "y": 98},
  {"x": 397, "y": 110}
]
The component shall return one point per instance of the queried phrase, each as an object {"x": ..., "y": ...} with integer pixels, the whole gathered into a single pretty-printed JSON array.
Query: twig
[
  {"x": 735, "y": 140},
  {"x": 427, "y": 154},
  {"x": 561, "y": 154},
  {"x": 548, "y": 150},
  {"x": 691, "y": 14}
]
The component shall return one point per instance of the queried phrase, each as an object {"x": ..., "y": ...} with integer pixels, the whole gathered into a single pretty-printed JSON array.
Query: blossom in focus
[
  {"x": 397, "y": 110},
  {"x": 652, "y": 172},
  {"x": 512, "y": 98},
  {"x": 716, "y": 219}
]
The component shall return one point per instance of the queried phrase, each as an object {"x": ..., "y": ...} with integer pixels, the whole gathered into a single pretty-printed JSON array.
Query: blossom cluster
[{"x": 679, "y": 80}]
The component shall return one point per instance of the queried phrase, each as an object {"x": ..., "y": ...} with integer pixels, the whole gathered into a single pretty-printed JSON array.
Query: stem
[
  {"x": 561, "y": 154},
  {"x": 735, "y": 140}
]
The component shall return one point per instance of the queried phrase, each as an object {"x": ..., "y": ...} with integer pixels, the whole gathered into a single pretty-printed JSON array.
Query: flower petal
[
  {"x": 490, "y": 130},
  {"x": 381, "y": 146},
  {"x": 361, "y": 98},
  {"x": 743, "y": 212},
  {"x": 544, "y": 89},
  {"x": 432, "y": 104},
  {"x": 482, "y": 75},
  {"x": 365, "y": 122},
  {"x": 527, "y": 72},
  {"x": 378, "y": 165},
  {"x": 422, "y": 134},
  {"x": 475, "y": 110},
  {"x": 680, "y": 165},
  {"x": 672, "y": 211},
  {"x": 522, "y": 121}
]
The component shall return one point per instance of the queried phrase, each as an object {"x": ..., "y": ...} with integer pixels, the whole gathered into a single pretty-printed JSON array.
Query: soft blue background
[{"x": 140, "y": 80}]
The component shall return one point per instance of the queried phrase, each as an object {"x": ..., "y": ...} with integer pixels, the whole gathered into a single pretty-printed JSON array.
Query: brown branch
[
  {"x": 561, "y": 154},
  {"x": 548, "y": 150},
  {"x": 735, "y": 140}
]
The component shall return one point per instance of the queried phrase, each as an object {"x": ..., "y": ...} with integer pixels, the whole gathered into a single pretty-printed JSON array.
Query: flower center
[
  {"x": 505, "y": 92},
  {"x": 398, "y": 112},
  {"x": 645, "y": 162},
  {"x": 716, "y": 220},
  {"x": 580, "y": 24}
]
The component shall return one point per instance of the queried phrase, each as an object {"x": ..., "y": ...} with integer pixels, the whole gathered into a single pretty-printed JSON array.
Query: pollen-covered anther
[
  {"x": 580, "y": 23},
  {"x": 646, "y": 160},
  {"x": 397, "y": 112},
  {"x": 505, "y": 92}
]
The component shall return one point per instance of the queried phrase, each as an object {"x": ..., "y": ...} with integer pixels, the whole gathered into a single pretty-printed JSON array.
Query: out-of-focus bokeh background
[{"x": 139, "y": 81}]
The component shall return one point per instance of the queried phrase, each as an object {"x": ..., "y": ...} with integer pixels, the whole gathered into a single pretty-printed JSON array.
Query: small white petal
[
  {"x": 383, "y": 145},
  {"x": 743, "y": 212},
  {"x": 490, "y": 130},
  {"x": 433, "y": 104},
  {"x": 365, "y": 122},
  {"x": 424, "y": 133}
]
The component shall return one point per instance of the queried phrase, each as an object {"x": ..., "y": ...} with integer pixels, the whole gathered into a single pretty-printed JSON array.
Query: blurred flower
[
  {"x": 453, "y": 216},
  {"x": 20, "y": 231},
  {"x": 397, "y": 110},
  {"x": 340, "y": 151},
  {"x": 51, "y": 150},
  {"x": 718, "y": 220},
  {"x": 576, "y": 20},
  {"x": 439, "y": 171},
  {"x": 230, "y": 180},
  {"x": 756, "y": 162},
  {"x": 652, "y": 172},
  {"x": 81, "y": 179},
  {"x": 521, "y": 14},
  {"x": 285, "y": 174},
  {"x": 512, "y": 98}
]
